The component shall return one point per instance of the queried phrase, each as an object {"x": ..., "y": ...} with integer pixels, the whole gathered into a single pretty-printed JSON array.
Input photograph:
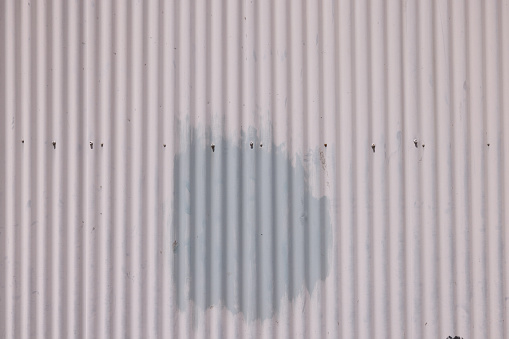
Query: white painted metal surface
[{"x": 254, "y": 169}]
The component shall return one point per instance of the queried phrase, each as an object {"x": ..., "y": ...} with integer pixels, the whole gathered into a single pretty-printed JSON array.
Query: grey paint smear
[{"x": 248, "y": 231}]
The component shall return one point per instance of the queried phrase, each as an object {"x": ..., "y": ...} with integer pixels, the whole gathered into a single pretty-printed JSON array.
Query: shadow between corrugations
[{"x": 248, "y": 233}]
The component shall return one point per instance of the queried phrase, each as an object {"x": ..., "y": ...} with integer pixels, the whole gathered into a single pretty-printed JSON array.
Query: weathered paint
[{"x": 240, "y": 235}]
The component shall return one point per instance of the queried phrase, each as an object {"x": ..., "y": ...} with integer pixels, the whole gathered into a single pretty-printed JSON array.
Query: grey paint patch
[{"x": 249, "y": 230}]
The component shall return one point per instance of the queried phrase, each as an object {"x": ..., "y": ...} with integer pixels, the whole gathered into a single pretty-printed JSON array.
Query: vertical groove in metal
[{"x": 254, "y": 169}]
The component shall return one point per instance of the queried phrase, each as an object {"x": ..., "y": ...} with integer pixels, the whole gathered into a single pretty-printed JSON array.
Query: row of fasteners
[{"x": 373, "y": 146}]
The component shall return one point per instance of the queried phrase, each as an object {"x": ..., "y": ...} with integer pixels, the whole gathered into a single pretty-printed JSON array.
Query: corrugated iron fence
[{"x": 254, "y": 169}]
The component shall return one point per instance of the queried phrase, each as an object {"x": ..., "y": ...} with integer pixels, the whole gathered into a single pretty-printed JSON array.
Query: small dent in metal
[
  {"x": 415, "y": 143},
  {"x": 213, "y": 147},
  {"x": 373, "y": 147},
  {"x": 102, "y": 145},
  {"x": 251, "y": 144},
  {"x": 54, "y": 143},
  {"x": 91, "y": 145}
]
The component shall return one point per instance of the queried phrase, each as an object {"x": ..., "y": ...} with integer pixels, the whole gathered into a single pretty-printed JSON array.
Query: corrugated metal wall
[{"x": 254, "y": 169}]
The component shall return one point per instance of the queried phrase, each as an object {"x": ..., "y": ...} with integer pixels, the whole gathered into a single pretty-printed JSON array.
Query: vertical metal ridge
[
  {"x": 320, "y": 136},
  {"x": 428, "y": 173},
  {"x": 460, "y": 188},
  {"x": 504, "y": 88},
  {"x": 329, "y": 85},
  {"x": 119, "y": 146},
  {"x": 434, "y": 138},
  {"x": 492, "y": 48},
  {"x": 344, "y": 142},
  {"x": 130, "y": 145},
  {"x": 450, "y": 183},
  {"x": 166, "y": 125},
  {"x": 306, "y": 31},
  {"x": 362, "y": 162},
  {"x": 3, "y": 168},
  {"x": 475, "y": 71},
  {"x": 8, "y": 171},
  {"x": 25, "y": 217},
  {"x": 274, "y": 258},
  {"x": 379, "y": 224},
  {"x": 432, "y": 142}
]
